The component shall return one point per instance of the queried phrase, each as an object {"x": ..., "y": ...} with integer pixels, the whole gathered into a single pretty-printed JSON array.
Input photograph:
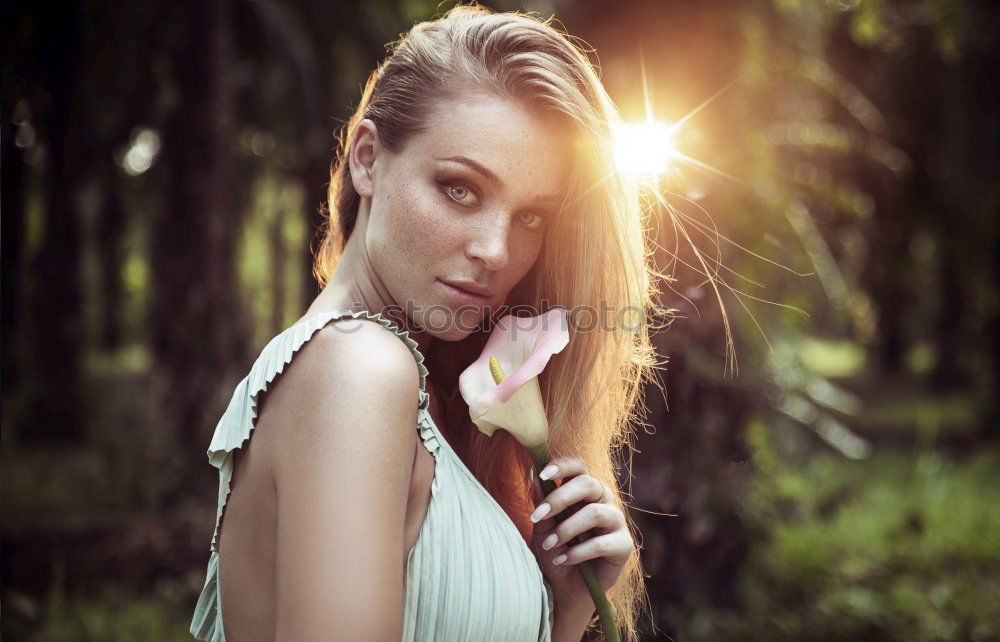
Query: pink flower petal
[{"x": 523, "y": 346}]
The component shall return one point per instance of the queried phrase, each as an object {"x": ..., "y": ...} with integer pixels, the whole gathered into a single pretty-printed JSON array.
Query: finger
[
  {"x": 614, "y": 547},
  {"x": 536, "y": 488},
  {"x": 546, "y": 557},
  {"x": 541, "y": 531},
  {"x": 564, "y": 467},
  {"x": 542, "y": 528},
  {"x": 580, "y": 489},
  {"x": 595, "y": 519}
]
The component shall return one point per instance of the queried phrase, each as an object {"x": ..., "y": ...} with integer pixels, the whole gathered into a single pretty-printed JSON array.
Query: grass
[{"x": 895, "y": 547}]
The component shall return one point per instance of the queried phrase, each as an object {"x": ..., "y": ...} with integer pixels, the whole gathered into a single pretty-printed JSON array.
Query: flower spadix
[{"x": 501, "y": 386}]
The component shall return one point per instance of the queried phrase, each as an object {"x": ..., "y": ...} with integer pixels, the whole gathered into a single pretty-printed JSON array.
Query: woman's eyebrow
[{"x": 487, "y": 174}]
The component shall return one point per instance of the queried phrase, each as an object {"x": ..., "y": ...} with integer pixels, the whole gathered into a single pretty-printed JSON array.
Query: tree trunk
[
  {"x": 12, "y": 238},
  {"x": 198, "y": 328},
  {"x": 55, "y": 404}
]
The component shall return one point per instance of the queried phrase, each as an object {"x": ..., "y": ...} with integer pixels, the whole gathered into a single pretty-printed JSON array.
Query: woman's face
[{"x": 467, "y": 201}]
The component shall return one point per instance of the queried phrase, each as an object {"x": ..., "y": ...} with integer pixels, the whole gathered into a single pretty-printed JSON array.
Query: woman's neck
[
  {"x": 338, "y": 296},
  {"x": 356, "y": 285}
]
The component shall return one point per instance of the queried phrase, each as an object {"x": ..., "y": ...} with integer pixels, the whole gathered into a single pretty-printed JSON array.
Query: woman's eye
[
  {"x": 532, "y": 220},
  {"x": 460, "y": 193}
]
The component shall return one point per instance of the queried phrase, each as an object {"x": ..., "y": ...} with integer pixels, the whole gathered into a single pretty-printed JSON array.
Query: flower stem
[{"x": 540, "y": 457}]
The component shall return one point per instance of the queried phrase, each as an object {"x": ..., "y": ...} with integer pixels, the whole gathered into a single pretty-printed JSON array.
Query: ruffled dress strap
[{"x": 239, "y": 420}]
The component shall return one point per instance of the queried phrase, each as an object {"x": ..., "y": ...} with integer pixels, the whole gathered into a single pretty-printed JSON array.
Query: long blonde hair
[{"x": 595, "y": 256}]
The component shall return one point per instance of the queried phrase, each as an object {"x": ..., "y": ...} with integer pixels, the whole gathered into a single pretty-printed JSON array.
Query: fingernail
[
  {"x": 559, "y": 559},
  {"x": 548, "y": 471},
  {"x": 540, "y": 512},
  {"x": 550, "y": 541}
]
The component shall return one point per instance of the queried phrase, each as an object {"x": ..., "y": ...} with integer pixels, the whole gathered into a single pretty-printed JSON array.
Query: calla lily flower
[
  {"x": 521, "y": 348},
  {"x": 501, "y": 389}
]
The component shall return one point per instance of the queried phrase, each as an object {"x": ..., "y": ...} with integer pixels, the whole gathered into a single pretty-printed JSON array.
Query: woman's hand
[{"x": 593, "y": 515}]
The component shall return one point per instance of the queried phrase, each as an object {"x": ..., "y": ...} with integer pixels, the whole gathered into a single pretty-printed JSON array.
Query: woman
[{"x": 475, "y": 173}]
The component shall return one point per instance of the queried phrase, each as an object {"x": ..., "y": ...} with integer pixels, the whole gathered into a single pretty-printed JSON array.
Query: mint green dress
[{"x": 470, "y": 575}]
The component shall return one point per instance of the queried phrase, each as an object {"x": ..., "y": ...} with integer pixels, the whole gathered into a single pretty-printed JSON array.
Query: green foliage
[
  {"x": 896, "y": 547},
  {"x": 112, "y": 615},
  {"x": 270, "y": 254},
  {"x": 868, "y": 24},
  {"x": 124, "y": 464},
  {"x": 832, "y": 358},
  {"x": 135, "y": 278}
]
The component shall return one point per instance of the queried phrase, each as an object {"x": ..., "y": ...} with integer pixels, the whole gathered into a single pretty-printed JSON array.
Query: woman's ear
[{"x": 361, "y": 157}]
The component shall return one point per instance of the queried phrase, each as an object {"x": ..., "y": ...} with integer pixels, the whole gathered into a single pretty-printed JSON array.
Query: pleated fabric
[{"x": 470, "y": 574}]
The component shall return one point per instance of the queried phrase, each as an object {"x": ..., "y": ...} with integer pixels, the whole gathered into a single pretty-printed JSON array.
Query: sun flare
[{"x": 644, "y": 149}]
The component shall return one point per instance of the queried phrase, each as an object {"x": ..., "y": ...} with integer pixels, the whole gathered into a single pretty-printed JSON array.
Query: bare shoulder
[
  {"x": 348, "y": 373},
  {"x": 361, "y": 350}
]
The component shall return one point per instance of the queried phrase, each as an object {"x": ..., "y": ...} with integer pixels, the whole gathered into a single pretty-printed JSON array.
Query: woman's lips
[{"x": 463, "y": 297}]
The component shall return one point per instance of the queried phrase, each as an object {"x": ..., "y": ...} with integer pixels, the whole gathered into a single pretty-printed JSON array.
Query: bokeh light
[{"x": 141, "y": 152}]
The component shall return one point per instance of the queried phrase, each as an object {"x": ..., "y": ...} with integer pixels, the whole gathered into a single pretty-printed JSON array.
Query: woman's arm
[
  {"x": 342, "y": 471},
  {"x": 570, "y": 623}
]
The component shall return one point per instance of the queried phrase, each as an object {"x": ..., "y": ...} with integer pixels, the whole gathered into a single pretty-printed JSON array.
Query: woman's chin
[
  {"x": 449, "y": 324},
  {"x": 458, "y": 329},
  {"x": 452, "y": 335}
]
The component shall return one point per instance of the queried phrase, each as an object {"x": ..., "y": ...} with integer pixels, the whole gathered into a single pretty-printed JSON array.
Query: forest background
[{"x": 162, "y": 170}]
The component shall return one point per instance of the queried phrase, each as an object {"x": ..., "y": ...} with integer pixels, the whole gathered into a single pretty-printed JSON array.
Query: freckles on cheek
[
  {"x": 412, "y": 227},
  {"x": 423, "y": 220}
]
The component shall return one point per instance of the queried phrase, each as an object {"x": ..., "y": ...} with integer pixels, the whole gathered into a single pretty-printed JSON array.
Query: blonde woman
[{"x": 475, "y": 173}]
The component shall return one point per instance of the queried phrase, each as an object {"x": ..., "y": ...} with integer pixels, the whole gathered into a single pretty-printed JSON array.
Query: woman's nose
[{"x": 489, "y": 242}]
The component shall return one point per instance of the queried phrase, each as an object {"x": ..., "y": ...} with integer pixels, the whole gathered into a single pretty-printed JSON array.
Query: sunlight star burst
[{"x": 644, "y": 149}]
